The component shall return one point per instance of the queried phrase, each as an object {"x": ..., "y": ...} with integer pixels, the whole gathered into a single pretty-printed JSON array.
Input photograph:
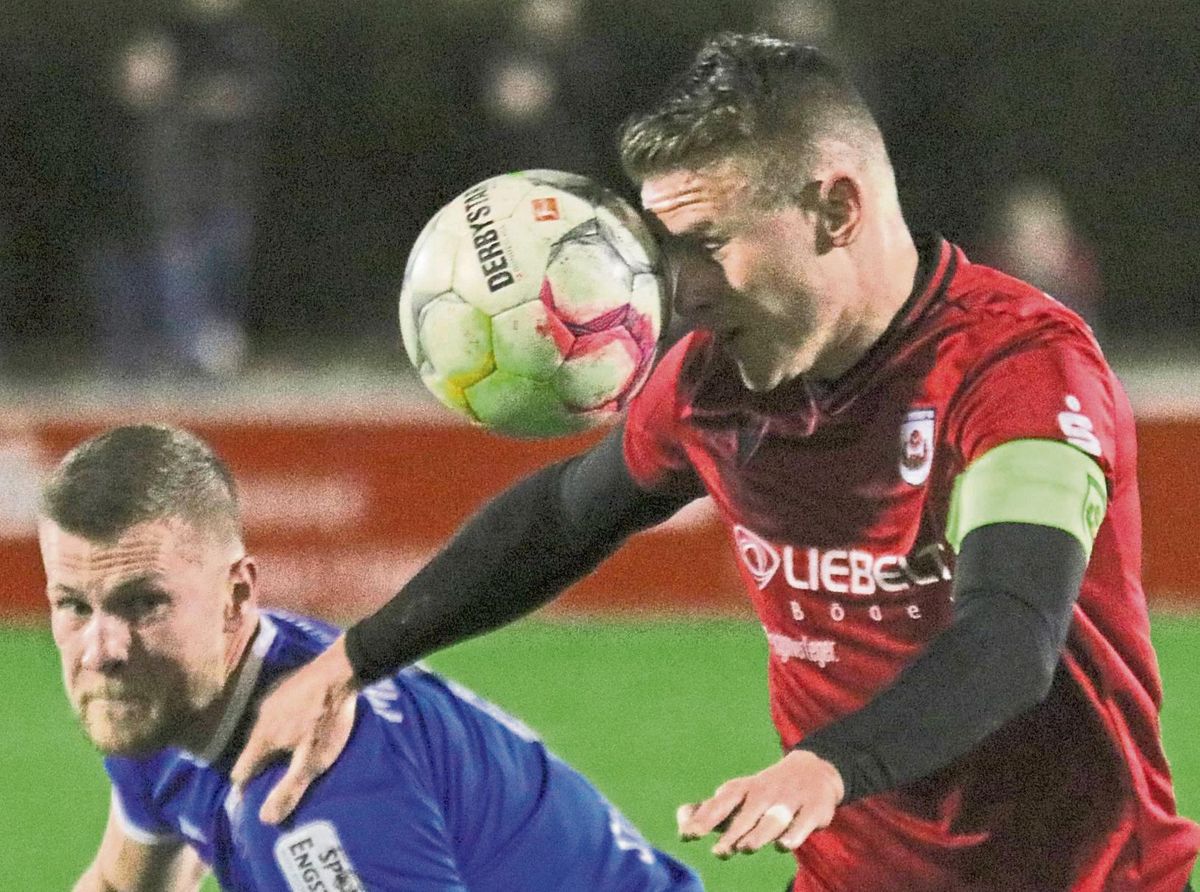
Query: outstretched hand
[
  {"x": 782, "y": 804},
  {"x": 310, "y": 715}
]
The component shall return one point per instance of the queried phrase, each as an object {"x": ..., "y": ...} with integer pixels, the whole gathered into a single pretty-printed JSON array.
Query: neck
[
  {"x": 239, "y": 642},
  {"x": 884, "y": 271},
  {"x": 199, "y": 737}
]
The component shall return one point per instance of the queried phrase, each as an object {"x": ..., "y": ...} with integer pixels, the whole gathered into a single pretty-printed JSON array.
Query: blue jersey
[{"x": 437, "y": 789}]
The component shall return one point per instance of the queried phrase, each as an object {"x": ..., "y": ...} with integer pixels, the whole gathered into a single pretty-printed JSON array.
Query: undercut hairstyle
[
  {"x": 138, "y": 473},
  {"x": 766, "y": 104}
]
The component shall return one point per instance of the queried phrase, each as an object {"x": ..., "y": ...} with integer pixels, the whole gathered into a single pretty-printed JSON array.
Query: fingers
[
  {"x": 259, "y": 750},
  {"x": 809, "y": 819},
  {"x": 683, "y": 814},
  {"x": 709, "y": 814},
  {"x": 771, "y": 823},
  {"x": 754, "y": 827},
  {"x": 311, "y": 714},
  {"x": 784, "y": 804},
  {"x": 312, "y": 757},
  {"x": 741, "y": 824},
  {"x": 290, "y": 788}
]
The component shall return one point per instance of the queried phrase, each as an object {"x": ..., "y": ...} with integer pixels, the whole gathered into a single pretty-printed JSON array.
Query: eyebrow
[
  {"x": 695, "y": 239},
  {"x": 700, "y": 231},
  {"x": 124, "y": 590}
]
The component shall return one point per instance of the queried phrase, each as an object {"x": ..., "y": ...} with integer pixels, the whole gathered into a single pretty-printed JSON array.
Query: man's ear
[
  {"x": 243, "y": 578},
  {"x": 841, "y": 201}
]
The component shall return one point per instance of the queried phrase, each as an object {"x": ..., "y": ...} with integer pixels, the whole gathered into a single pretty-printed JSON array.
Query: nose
[{"x": 106, "y": 643}]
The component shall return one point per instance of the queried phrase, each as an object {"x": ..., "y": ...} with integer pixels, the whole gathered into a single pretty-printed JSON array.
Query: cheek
[
  {"x": 187, "y": 644},
  {"x": 758, "y": 268},
  {"x": 68, "y": 640},
  {"x": 738, "y": 268},
  {"x": 59, "y": 631},
  {"x": 779, "y": 266},
  {"x": 199, "y": 634}
]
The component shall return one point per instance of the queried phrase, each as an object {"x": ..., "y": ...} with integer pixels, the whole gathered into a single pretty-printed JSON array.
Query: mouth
[
  {"x": 122, "y": 725},
  {"x": 124, "y": 713},
  {"x": 111, "y": 702}
]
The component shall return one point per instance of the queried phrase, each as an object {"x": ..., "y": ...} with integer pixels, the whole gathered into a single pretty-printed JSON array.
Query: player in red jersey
[{"x": 927, "y": 470}]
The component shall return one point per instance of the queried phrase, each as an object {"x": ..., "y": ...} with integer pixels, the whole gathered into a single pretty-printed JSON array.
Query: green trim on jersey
[{"x": 1043, "y": 482}]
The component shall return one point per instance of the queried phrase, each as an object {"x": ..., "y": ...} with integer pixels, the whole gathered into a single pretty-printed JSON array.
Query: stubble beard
[
  {"x": 124, "y": 726},
  {"x": 121, "y": 720},
  {"x": 765, "y": 371}
]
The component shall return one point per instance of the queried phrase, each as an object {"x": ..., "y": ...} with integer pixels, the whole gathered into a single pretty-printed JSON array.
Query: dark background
[{"x": 379, "y": 114}]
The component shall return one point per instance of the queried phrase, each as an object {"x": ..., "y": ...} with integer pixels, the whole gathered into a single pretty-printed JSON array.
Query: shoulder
[
  {"x": 137, "y": 791},
  {"x": 293, "y": 638},
  {"x": 672, "y": 384},
  {"x": 998, "y": 312},
  {"x": 992, "y": 328},
  {"x": 678, "y": 368},
  {"x": 1019, "y": 365}
]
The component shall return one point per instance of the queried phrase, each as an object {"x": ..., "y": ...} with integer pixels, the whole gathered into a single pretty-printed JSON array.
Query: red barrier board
[
  {"x": 1169, "y": 481},
  {"x": 341, "y": 512}
]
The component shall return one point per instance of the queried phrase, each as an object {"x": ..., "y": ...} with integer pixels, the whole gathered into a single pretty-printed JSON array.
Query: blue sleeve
[
  {"x": 368, "y": 823},
  {"x": 133, "y": 805}
]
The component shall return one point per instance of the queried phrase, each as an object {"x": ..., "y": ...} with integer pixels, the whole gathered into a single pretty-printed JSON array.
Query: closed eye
[
  {"x": 703, "y": 246},
  {"x": 139, "y": 605}
]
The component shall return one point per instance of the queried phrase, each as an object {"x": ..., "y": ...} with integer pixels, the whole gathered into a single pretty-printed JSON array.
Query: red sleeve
[
  {"x": 654, "y": 443},
  {"x": 1054, "y": 384}
]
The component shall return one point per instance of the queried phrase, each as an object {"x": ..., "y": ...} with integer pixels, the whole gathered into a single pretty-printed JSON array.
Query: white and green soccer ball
[{"x": 533, "y": 303}]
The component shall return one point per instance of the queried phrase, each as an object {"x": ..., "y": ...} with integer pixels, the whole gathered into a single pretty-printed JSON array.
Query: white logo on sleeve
[
  {"x": 916, "y": 446},
  {"x": 627, "y": 836},
  {"x": 312, "y": 860},
  {"x": 759, "y": 556},
  {"x": 1078, "y": 428}
]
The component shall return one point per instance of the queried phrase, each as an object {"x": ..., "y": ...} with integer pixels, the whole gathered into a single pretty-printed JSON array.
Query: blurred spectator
[
  {"x": 816, "y": 22},
  {"x": 541, "y": 88},
  {"x": 23, "y": 465},
  {"x": 199, "y": 94},
  {"x": 1030, "y": 235},
  {"x": 812, "y": 21}
]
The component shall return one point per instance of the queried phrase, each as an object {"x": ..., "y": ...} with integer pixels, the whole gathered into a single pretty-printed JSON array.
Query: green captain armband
[{"x": 1042, "y": 482}]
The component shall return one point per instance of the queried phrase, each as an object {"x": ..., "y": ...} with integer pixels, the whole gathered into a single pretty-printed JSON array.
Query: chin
[
  {"x": 129, "y": 733},
  {"x": 759, "y": 380}
]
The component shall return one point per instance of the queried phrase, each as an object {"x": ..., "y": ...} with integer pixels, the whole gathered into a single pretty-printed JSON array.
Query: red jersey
[{"x": 836, "y": 504}]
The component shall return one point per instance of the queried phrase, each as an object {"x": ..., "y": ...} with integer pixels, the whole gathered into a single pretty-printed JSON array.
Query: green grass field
[{"x": 655, "y": 713}]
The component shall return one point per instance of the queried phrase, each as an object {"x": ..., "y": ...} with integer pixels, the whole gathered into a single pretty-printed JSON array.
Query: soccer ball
[{"x": 533, "y": 302}]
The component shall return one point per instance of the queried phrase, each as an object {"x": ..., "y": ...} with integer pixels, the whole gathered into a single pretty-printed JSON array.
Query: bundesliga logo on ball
[{"x": 533, "y": 302}]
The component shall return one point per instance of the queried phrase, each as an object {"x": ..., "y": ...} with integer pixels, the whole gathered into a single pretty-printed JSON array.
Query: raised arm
[
  {"x": 520, "y": 551},
  {"x": 126, "y": 864}
]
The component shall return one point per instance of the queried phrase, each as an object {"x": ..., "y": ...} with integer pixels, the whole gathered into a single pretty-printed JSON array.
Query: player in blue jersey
[{"x": 165, "y": 654}]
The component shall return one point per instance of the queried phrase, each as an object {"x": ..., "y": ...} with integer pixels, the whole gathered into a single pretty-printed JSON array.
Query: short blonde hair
[
  {"x": 766, "y": 104},
  {"x": 137, "y": 473}
]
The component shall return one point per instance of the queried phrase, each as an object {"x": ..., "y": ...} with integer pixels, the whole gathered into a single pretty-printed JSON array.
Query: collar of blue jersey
[
  {"x": 718, "y": 399},
  {"x": 243, "y": 689}
]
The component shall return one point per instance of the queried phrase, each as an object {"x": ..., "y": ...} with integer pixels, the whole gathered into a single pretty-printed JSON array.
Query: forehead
[
  {"x": 155, "y": 548},
  {"x": 686, "y": 200}
]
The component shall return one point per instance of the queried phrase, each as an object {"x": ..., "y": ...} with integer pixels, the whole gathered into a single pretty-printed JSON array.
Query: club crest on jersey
[{"x": 916, "y": 446}]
